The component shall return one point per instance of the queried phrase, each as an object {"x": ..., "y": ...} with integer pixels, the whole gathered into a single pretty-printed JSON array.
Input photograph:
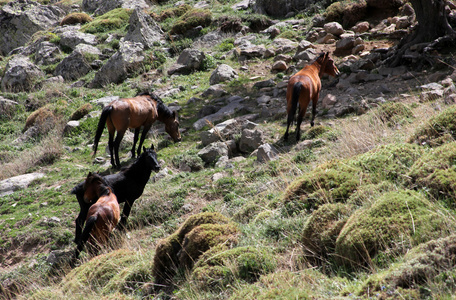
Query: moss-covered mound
[
  {"x": 122, "y": 271},
  {"x": 81, "y": 111},
  {"x": 331, "y": 182},
  {"x": 395, "y": 223},
  {"x": 435, "y": 172},
  {"x": 202, "y": 238},
  {"x": 43, "y": 118},
  {"x": 315, "y": 132},
  {"x": 369, "y": 193},
  {"x": 389, "y": 162},
  {"x": 191, "y": 19},
  {"x": 394, "y": 113},
  {"x": 321, "y": 231},
  {"x": 203, "y": 230},
  {"x": 220, "y": 267},
  {"x": 438, "y": 130},
  {"x": 112, "y": 20}
]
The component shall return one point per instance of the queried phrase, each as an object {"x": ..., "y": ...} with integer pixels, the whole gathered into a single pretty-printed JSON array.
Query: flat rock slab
[{"x": 10, "y": 185}]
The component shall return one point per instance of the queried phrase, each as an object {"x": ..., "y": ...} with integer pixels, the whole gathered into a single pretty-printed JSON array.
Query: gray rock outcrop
[
  {"x": 10, "y": 185},
  {"x": 143, "y": 29},
  {"x": 20, "y": 75},
  {"x": 128, "y": 59},
  {"x": 19, "y": 20},
  {"x": 222, "y": 73}
]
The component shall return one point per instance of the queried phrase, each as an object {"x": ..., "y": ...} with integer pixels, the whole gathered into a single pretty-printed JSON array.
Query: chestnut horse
[
  {"x": 102, "y": 216},
  {"x": 305, "y": 86},
  {"x": 140, "y": 111}
]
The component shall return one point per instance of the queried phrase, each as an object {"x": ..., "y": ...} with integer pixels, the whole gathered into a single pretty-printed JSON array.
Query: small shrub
[
  {"x": 346, "y": 12},
  {"x": 315, "y": 132},
  {"x": 81, "y": 111},
  {"x": 174, "y": 12},
  {"x": 192, "y": 160},
  {"x": 192, "y": 19},
  {"x": 43, "y": 119},
  {"x": 257, "y": 22},
  {"x": 76, "y": 18}
]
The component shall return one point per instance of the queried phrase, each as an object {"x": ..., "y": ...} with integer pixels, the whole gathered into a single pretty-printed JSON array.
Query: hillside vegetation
[{"x": 362, "y": 207}]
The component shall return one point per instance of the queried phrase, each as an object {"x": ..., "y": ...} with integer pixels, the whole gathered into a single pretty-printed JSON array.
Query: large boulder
[
  {"x": 214, "y": 151},
  {"x": 222, "y": 73},
  {"x": 19, "y": 20},
  {"x": 73, "y": 66},
  {"x": 251, "y": 140},
  {"x": 72, "y": 38},
  {"x": 189, "y": 60},
  {"x": 143, "y": 29},
  {"x": 20, "y": 75},
  {"x": 47, "y": 53},
  {"x": 127, "y": 60}
]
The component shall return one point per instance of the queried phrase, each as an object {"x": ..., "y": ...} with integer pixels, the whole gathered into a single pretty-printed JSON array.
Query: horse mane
[{"x": 162, "y": 109}]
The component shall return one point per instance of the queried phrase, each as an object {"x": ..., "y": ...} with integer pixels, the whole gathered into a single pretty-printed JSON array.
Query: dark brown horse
[
  {"x": 305, "y": 86},
  {"x": 128, "y": 185},
  {"x": 140, "y": 111},
  {"x": 102, "y": 216}
]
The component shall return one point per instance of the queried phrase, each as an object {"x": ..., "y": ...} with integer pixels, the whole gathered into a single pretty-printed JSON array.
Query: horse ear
[
  {"x": 152, "y": 147},
  {"x": 174, "y": 115},
  {"x": 144, "y": 149}
]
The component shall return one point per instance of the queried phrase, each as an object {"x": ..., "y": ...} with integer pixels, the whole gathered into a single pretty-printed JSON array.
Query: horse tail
[
  {"x": 295, "y": 99},
  {"x": 101, "y": 124}
]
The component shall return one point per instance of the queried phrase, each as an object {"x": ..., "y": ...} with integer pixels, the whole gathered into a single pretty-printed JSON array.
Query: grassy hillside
[{"x": 367, "y": 211}]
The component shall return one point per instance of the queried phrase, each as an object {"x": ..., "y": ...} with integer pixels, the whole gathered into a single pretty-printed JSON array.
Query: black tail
[
  {"x": 294, "y": 100},
  {"x": 90, "y": 223},
  {"x": 101, "y": 124}
]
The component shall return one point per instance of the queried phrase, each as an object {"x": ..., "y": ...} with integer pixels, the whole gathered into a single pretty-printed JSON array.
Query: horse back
[{"x": 132, "y": 113}]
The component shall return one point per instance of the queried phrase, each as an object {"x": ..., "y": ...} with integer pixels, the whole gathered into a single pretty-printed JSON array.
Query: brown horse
[
  {"x": 102, "y": 216},
  {"x": 140, "y": 111},
  {"x": 305, "y": 86}
]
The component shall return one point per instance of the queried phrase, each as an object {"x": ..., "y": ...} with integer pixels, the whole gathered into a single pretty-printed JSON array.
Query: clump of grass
[
  {"x": 114, "y": 19},
  {"x": 174, "y": 12},
  {"x": 395, "y": 113},
  {"x": 346, "y": 12},
  {"x": 76, "y": 18}
]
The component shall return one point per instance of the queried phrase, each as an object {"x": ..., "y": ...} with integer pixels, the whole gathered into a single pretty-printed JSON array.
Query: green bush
[
  {"x": 346, "y": 12},
  {"x": 76, "y": 18},
  {"x": 395, "y": 113}
]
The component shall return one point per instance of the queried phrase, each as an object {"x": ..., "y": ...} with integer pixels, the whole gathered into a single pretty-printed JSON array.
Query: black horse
[{"x": 128, "y": 185}]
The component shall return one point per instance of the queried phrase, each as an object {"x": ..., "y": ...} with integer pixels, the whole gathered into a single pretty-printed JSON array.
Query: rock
[
  {"x": 234, "y": 104},
  {"x": 126, "y": 61},
  {"x": 250, "y": 140},
  {"x": 144, "y": 30},
  {"x": 333, "y": 28},
  {"x": 253, "y": 51},
  {"x": 71, "y": 125},
  {"x": 216, "y": 91},
  {"x": 267, "y": 152},
  {"x": 10, "y": 185},
  {"x": 281, "y": 8},
  {"x": 72, "y": 38},
  {"x": 264, "y": 84},
  {"x": 431, "y": 95},
  {"x": 189, "y": 60},
  {"x": 8, "y": 107},
  {"x": 282, "y": 45},
  {"x": 73, "y": 66},
  {"x": 222, "y": 131},
  {"x": 102, "y": 102},
  {"x": 306, "y": 55},
  {"x": 280, "y": 66},
  {"x": 19, "y": 20},
  {"x": 212, "y": 152},
  {"x": 20, "y": 75},
  {"x": 328, "y": 101},
  {"x": 361, "y": 27},
  {"x": 345, "y": 45},
  {"x": 100, "y": 7},
  {"x": 222, "y": 73},
  {"x": 47, "y": 54}
]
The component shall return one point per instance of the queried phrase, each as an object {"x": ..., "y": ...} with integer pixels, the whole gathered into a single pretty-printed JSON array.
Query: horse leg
[
  {"x": 111, "y": 147},
  {"x": 135, "y": 139},
  {"x": 80, "y": 220},
  {"x": 143, "y": 137},
  {"x": 125, "y": 213},
  {"x": 314, "y": 109},
  {"x": 117, "y": 141},
  {"x": 298, "y": 125},
  {"x": 289, "y": 122}
]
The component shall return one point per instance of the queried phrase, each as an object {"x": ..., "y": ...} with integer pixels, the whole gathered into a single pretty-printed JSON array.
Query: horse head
[
  {"x": 94, "y": 187},
  {"x": 150, "y": 157},
  {"x": 327, "y": 65},
  {"x": 172, "y": 127}
]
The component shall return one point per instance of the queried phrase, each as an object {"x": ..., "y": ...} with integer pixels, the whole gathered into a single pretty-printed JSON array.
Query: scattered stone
[
  {"x": 267, "y": 152},
  {"x": 10, "y": 185},
  {"x": 212, "y": 152},
  {"x": 21, "y": 75},
  {"x": 222, "y": 73},
  {"x": 250, "y": 140}
]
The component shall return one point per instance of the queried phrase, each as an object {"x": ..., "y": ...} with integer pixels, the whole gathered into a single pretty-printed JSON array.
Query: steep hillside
[{"x": 362, "y": 206}]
